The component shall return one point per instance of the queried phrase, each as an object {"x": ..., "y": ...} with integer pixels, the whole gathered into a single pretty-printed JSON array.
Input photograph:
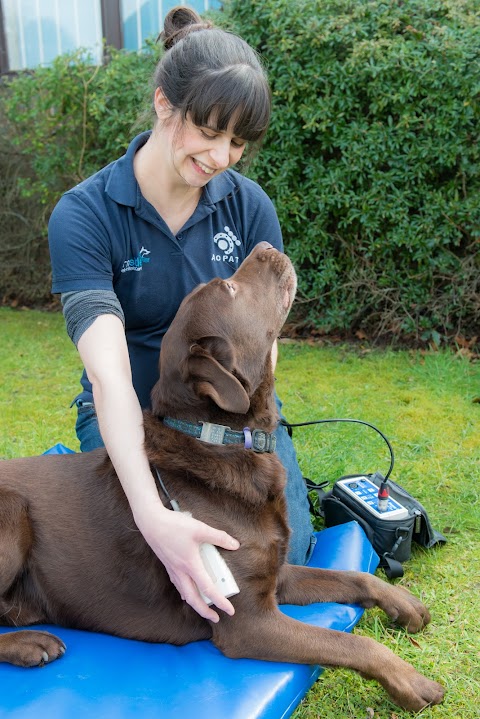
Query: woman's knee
[{"x": 298, "y": 507}]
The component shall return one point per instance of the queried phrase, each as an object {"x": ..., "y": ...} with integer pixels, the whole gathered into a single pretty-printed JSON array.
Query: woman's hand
[{"x": 175, "y": 538}]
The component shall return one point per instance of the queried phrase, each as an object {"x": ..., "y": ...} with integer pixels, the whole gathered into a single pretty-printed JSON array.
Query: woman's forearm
[
  {"x": 105, "y": 356},
  {"x": 173, "y": 536}
]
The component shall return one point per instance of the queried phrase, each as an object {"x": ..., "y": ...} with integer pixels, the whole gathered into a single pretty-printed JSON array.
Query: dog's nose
[{"x": 264, "y": 245}]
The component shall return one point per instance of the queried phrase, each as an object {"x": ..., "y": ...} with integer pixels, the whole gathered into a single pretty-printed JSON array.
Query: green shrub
[
  {"x": 62, "y": 123},
  {"x": 372, "y": 157},
  {"x": 72, "y": 117},
  {"x": 22, "y": 224}
]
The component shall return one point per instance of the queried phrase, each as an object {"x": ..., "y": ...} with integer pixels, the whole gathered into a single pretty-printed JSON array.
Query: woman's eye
[{"x": 209, "y": 135}]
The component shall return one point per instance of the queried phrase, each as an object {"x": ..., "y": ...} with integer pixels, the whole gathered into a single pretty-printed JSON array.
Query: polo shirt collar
[
  {"x": 218, "y": 188},
  {"x": 122, "y": 185}
]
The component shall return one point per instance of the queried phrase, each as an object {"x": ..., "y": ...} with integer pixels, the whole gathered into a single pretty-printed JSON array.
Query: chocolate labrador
[{"x": 69, "y": 552}]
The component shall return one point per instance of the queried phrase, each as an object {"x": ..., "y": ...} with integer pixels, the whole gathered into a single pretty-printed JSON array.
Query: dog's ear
[{"x": 208, "y": 368}]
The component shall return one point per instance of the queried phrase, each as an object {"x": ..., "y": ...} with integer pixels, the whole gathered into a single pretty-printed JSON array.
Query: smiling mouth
[{"x": 204, "y": 168}]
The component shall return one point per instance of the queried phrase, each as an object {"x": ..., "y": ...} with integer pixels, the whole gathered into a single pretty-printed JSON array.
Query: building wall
[{"x": 34, "y": 32}]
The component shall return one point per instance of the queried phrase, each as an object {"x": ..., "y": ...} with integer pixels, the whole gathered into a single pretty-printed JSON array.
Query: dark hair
[{"x": 213, "y": 76}]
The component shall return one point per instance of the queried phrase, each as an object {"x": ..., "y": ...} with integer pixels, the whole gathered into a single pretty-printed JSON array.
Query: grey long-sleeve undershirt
[{"x": 82, "y": 307}]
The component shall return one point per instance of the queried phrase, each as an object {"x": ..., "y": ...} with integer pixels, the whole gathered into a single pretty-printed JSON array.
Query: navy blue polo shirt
[{"x": 104, "y": 235}]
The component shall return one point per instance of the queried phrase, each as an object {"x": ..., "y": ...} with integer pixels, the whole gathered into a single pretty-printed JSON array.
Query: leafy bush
[
  {"x": 372, "y": 157},
  {"x": 62, "y": 123},
  {"x": 20, "y": 218}
]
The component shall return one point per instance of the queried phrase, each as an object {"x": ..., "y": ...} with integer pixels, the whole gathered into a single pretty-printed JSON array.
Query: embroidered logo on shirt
[
  {"x": 136, "y": 263},
  {"x": 226, "y": 242}
]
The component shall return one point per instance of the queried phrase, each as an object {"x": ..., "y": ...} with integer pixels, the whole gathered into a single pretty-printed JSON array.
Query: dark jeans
[{"x": 302, "y": 539}]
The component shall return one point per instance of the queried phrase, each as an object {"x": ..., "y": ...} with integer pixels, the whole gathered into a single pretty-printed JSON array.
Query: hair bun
[{"x": 179, "y": 22}]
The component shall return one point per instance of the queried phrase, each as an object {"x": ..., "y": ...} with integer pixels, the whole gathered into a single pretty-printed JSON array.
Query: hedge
[
  {"x": 61, "y": 124},
  {"x": 372, "y": 158}
]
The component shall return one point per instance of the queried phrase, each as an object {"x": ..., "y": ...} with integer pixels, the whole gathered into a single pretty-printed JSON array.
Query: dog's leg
[
  {"x": 304, "y": 585},
  {"x": 272, "y": 636},
  {"x": 15, "y": 538},
  {"x": 25, "y": 648},
  {"x": 28, "y": 648}
]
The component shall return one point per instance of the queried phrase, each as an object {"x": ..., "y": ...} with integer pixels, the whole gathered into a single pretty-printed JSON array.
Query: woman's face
[{"x": 198, "y": 153}]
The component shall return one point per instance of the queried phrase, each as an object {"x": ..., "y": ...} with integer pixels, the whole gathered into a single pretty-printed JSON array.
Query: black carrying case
[{"x": 391, "y": 538}]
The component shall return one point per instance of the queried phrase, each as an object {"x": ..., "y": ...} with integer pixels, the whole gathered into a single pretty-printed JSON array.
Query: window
[
  {"x": 144, "y": 18},
  {"x": 34, "y": 32}
]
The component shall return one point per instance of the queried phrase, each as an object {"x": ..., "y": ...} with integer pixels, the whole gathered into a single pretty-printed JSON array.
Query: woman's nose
[{"x": 221, "y": 153}]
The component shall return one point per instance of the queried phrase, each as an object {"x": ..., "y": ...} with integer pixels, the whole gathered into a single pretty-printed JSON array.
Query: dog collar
[{"x": 255, "y": 439}]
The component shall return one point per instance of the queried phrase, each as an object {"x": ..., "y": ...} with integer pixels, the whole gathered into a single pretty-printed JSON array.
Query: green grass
[
  {"x": 426, "y": 404},
  {"x": 40, "y": 371}
]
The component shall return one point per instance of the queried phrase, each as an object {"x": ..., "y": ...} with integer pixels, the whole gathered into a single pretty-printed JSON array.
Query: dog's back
[{"x": 87, "y": 566}]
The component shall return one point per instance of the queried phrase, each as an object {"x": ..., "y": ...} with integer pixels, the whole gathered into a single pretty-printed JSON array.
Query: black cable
[{"x": 290, "y": 425}]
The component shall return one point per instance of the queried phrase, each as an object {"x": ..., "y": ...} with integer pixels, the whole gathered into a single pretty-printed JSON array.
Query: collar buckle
[{"x": 263, "y": 441}]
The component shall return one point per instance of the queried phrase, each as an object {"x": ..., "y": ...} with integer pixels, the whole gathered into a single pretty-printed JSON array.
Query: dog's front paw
[
  {"x": 30, "y": 648},
  {"x": 411, "y": 690},
  {"x": 405, "y": 609}
]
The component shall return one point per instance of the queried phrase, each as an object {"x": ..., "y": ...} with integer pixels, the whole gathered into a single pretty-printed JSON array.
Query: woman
[{"x": 131, "y": 241}]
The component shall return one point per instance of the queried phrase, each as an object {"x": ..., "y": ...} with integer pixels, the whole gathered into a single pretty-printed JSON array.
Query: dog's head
[{"x": 218, "y": 348}]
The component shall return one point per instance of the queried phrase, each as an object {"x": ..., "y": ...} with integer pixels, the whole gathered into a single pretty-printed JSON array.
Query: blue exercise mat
[{"x": 110, "y": 678}]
